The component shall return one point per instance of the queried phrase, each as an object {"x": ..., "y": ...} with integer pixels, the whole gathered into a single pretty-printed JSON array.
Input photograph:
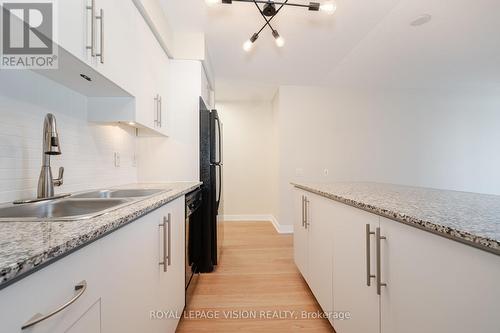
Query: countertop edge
[
  {"x": 479, "y": 242},
  {"x": 32, "y": 264}
]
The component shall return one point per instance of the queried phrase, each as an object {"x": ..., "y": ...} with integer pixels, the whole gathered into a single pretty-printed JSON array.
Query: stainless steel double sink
[{"x": 79, "y": 206}]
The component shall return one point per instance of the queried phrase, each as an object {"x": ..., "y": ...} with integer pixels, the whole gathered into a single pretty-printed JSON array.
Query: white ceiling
[
  {"x": 365, "y": 42},
  {"x": 458, "y": 49}
]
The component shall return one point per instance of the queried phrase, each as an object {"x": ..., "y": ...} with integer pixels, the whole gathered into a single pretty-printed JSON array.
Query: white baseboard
[{"x": 282, "y": 229}]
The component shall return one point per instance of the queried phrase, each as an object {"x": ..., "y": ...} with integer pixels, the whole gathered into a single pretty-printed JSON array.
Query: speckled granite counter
[
  {"x": 27, "y": 246},
  {"x": 470, "y": 218}
]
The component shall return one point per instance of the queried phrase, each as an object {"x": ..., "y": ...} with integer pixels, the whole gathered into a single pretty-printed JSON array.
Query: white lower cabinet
[
  {"x": 313, "y": 246},
  {"x": 436, "y": 285},
  {"x": 50, "y": 289},
  {"x": 320, "y": 254},
  {"x": 427, "y": 282},
  {"x": 125, "y": 282},
  {"x": 136, "y": 284},
  {"x": 300, "y": 234},
  {"x": 353, "y": 291}
]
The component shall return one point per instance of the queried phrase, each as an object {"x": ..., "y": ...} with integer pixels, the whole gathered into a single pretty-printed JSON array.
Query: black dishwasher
[{"x": 193, "y": 241}]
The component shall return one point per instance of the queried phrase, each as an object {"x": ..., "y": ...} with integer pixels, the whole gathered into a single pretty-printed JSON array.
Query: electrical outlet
[
  {"x": 326, "y": 172},
  {"x": 299, "y": 172},
  {"x": 117, "y": 160}
]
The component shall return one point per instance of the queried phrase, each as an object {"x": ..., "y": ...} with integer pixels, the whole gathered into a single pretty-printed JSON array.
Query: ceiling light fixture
[{"x": 269, "y": 9}]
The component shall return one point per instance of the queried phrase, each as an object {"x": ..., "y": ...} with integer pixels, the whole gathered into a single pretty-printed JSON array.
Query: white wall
[
  {"x": 175, "y": 158},
  {"x": 87, "y": 149},
  {"x": 248, "y": 159},
  {"x": 430, "y": 138}
]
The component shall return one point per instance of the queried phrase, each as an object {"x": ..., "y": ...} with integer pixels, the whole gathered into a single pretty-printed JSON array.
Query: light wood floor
[{"x": 256, "y": 273}]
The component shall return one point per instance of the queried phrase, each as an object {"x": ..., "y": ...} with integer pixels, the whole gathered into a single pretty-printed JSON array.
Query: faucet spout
[{"x": 51, "y": 147}]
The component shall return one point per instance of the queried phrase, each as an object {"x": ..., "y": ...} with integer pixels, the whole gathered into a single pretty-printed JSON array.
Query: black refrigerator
[{"x": 211, "y": 174}]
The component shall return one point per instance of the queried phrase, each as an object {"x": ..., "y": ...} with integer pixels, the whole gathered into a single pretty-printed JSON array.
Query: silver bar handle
[
  {"x": 80, "y": 288},
  {"x": 369, "y": 275},
  {"x": 160, "y": 112},
  {"x": 156, "y": 110},
  {"x": 303, "y": 210},
  {"x": 380, "y": 284},
  {"x": 92, "y": 28},
  {"x": 169, "y": 257},
  {"x": 101, "y": 18},
  {"x": 166, "y": 238},
  {"x": 306, "y": 212}
]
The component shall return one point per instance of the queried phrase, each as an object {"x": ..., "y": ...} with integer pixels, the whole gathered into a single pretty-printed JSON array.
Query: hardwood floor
[{"x": 256, "y": 279}]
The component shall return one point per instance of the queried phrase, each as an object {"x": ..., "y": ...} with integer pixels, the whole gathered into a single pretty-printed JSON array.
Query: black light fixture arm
[
  {"x": 268, "y": 22},
  {"x": 311, "y": 5},
  {"x": 263, "y": 16}
]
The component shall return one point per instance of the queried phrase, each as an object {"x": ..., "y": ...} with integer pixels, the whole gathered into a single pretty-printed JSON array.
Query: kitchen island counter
[{"x": 469, "y": 218}]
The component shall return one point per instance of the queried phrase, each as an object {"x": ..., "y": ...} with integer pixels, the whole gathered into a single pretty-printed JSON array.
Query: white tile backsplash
[{"x": 87, "y": 148}]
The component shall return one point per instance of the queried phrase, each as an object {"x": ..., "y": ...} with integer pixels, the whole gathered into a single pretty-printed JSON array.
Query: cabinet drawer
[{"x": 50, "y": 289}]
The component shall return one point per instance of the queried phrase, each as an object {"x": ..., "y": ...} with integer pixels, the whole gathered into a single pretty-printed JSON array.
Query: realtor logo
[{"x": 27, "y": 35}]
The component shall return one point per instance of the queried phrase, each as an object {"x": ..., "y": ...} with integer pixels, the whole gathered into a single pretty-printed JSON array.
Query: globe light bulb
[
  {"x": 213, "y": 2},
  {"x": 328, "y": 7},
  {"x": 280, "y": 41},
  {"x": 247, "y": 46}
]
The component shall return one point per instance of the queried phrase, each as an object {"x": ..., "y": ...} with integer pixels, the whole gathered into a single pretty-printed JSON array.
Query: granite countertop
[
  {"x": 470, "y": 218},
  {"x": 27, "y": 246}
]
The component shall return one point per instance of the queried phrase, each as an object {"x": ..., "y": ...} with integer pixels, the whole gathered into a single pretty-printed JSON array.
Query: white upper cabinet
[
  {"x": 116, "y": 47},
  {"x": 113, "y": 46},
  {"x": 98, "y": 33},
  {"x": 142, "y": 69},
  {"x": 74, "y": 27},
  {"x": 151, "y": 83}
]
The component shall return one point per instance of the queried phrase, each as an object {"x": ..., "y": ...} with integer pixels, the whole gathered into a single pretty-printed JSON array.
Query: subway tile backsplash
[{"x": 87, "y": 148}]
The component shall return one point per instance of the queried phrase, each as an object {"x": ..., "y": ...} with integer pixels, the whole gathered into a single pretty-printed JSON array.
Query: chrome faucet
[{"x": 51, "y": 147}]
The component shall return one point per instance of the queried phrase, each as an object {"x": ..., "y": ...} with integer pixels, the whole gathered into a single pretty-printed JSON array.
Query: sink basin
[
  {"x": 125, "y": 193},
  {"x": 60, "y": 209}
]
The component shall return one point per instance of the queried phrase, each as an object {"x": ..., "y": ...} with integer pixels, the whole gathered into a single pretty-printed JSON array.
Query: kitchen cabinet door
[
  {"x": 133, "y": 279},
  {"x": 172, "y": 291},
  {"x": 53, "y": 287},
  {"x": 320, "y": 218},
  {"x": 351, "y": 292},
  {"x": 115, "y": 41},
  {"x": 136, "y": 284},
  {"x": 74, "y": 27},
  {"x": 146, "y": 90},
  {"x": 300, "y": 234},
  {"x": 160, "y": 70},
  {"x": 435, "y": 284}
]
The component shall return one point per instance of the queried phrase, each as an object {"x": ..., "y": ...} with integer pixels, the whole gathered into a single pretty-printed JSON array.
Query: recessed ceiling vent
[{"x": 421, "y": 20}]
